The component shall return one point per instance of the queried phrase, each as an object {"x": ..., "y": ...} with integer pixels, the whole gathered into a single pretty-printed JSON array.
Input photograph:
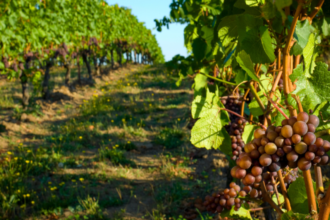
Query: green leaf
[
  {"x": 280, "y": 4},
  {"x": 298, "y": 197},
  {"x": 243, "y": 213},
  {"x": 200, "y": 83},
  {"x": 2, "y": 65},
  {"x": 324, "y": 109},
  {"x": 245, "y": 62},
  {"x": 254, "y": 106},
  {"x": 325, "y": 27},
  {"x": 314, "y": 90},
  {"x": 269, "y": 10},
  {"x": 308, "y": 54},
  {"x": 200, "y": 48},
  {"x": 209, "y": 130},
  {"x": 280, "y": 197},
  {"x": 295, "y": 216},
  {"x": 241, "y": 76},
  {"x": 247, "y": 135},
  {"x": 301, "y": 34},
  {"x": 258, "y": 44}
]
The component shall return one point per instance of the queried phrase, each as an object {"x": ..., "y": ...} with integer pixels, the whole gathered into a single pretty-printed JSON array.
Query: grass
[{"x": 97, "y": 155}]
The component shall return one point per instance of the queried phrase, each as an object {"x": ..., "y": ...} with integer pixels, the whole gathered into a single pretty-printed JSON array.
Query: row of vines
[
  {"x": 37, "y": 35},
  {"x": 261, "y": 96}
]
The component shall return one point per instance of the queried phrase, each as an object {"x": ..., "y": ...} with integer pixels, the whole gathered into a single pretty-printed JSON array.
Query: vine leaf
[
  {"x": 242, "y": 213},
  {"x": 308, "y": 54},
  {"x": 298, "y": 197},
  {"x": 324, "y": 107},
  {"x": 209, "y": 130},
  {"x": 244, "y": 60},
  {"x": 258, "y": 44},
  {"x": 295, "y": 216},
  {"x": 301, "y": 34},
  {"x": 200, "y": 83},
  {"x": 248, "y": 132},
  {"x": 313, "y": 90}
]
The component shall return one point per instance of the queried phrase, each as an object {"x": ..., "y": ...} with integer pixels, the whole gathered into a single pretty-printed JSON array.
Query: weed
[
  {"x": 170, "y": 137},
  {"x": 116, "y": 156}
]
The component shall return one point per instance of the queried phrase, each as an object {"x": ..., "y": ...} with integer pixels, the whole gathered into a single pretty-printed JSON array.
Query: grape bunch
[
  {"x": 92, "y": 41},
  {"x": 5, "y": 62},
  {"x": 290, "y": 146},
  {"x": 225, "y": 199},
  {"x": 232, "y": 103},
  {"x": 235, "y": 130}
]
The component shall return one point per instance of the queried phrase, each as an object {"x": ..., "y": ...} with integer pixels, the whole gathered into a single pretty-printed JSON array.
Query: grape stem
[
  {"x": 243, "y": 103},
  {"x": 310, "y": 192},
  {"x": 217, "y": 79},
  {"x": 275, "y": 105},
  {"x": 276, "y": 192},
  {"x": 298, "y": 102},
  {"x": 256, "y": 96},
  {"x": 325, "y": 207},
  {"x": 267, "y": 198},
  {"x": 322, "y": 133},
  {"x": 319, "y": 182},
  {"x": 284, "y": 191}
]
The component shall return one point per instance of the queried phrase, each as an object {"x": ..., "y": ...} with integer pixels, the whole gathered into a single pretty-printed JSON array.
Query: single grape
[
  {"x": 250, "y": 147},
  {"x": 296, "y": 138},
  {"x": 233, "y": 171},
  {"x": 261, "y": 149},
  {"x": 244, "y": 161},
  {"x": 285, "y": 122},
  {"x": 242, "y": 193},
  {"x": 303, "y": 116},
  {"x": 292, "y": 120},
  {"x": 287, "y": 148},
  {"x": 265, "y": 160},
  {"x": 219, "y": 209},
  {"x": 317, "y": 160},
  {"x": 279, "y": 141},
  {"x": 256, "y": 170},
  {"x": 309, "y": 156},
  {"x": 254, "y": 154},
  {"x": 247, "y": 189},
  {"x": 287, "y": 141},
  {"x": 324, "y": 160},
  {"x": 240, "y": 173},
  {"x": 312, "y": 148},
  {"x": 258, "y": 179},
  {"x": 275, "y": 158},
  {"x": 300, "y": 128},
  {"x": 271, "y": 135},
  {"x": 309, "y": 138},
  {"x": 270, "y": 148},
  {"x": 320, "y": 151},
  {"x": 311, "y": 128},
  {"x": 326, "y": 145},
  {"x": 287, "y": 131},
  {"x": 292, "y": 156},
  {"x": 232, "y": 192},
  {"x": 222, "y": 202},
  {"x": 304, "y": 164},
  {"x": 280, "y": 152},
  {"x": 249, "y": 179},
  {"x": 301, "y": 147},
  {"x": 264, "y": 141},
  {"x": 258, "y": 133},
  {"x": 237, "y": 201},
  {"x": 254, "y": 193},
  {"x": 256, "y": 141},
  {"x": 232, "y": 184},
  {"x": 274, "y": 167},
  {"x": 237, "y": 188},
  {"x": 319, "y": 142},
  {"x": 230, "y": 202},
  {"x": 271, "y": 128},
  {"x": 314, "y": 120}
]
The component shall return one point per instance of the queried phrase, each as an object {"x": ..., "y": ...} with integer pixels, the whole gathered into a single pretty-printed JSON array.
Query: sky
[{"x": 170, "y": 40}]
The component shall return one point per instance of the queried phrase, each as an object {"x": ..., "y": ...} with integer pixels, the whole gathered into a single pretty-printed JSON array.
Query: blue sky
[{"x": 170, "y": 40}]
